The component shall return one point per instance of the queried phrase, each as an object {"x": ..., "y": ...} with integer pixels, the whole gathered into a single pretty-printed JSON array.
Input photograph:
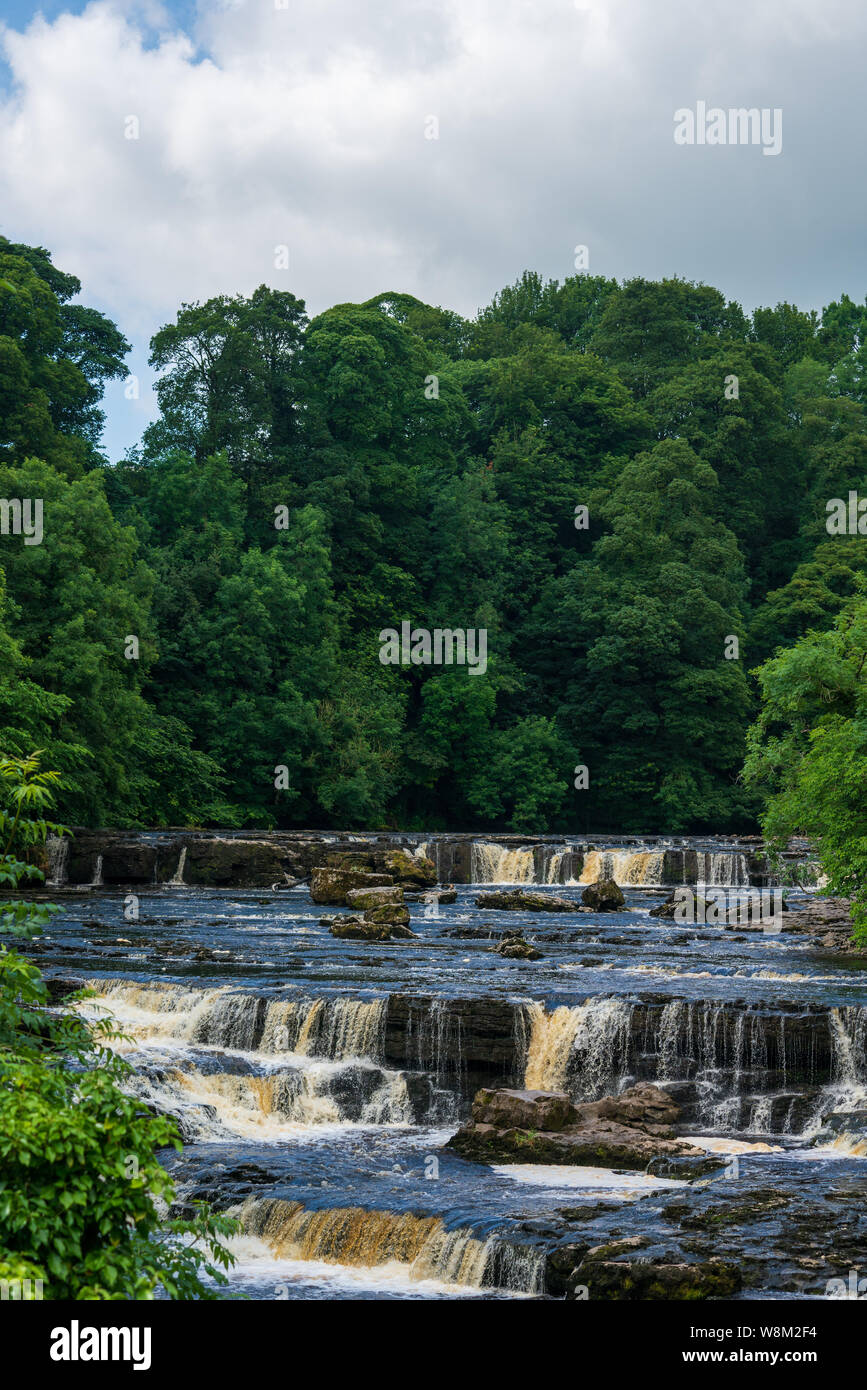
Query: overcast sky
[{"x": 305, "y": 127}]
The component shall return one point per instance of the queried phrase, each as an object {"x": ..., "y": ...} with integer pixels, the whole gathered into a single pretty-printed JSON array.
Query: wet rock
[
  {"x": 626, "y": 1280},
  {"x": 391, "y": 914},
  {"x": 592, "y": 1138},
  {"x": 409, "y": 868},
  {"x": 332, "y": 885},
  {"x": 365, "y": 898},
  {"x": 473, "y": 1039},
  {"x": 507, "y": 1109},
  {"x": 644, "y": 1105},
  {"x": 445, "y": 896},
  {"x": 828, "y": 923},
  {"x": 239, "y": 863},
  {"x": 352, "y": 928},
  {"x": 518, "y": 900},
  {"x": 603, "y": 896},
  {"x": 514, "y": 947}
]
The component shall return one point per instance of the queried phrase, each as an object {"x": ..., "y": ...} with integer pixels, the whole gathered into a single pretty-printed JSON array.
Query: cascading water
[
  {"x": 641, "y": 869},
  {"x": 57, "y": 848},
  {"x": 308, "y": 1061},
  {"x": 583, "y": 1049},
  {"x": 496, "y": 864},
  {"x": 177, "y": 878},
  {"x": 722, "y": 870},
  {"x": 357, "y": 1236}
]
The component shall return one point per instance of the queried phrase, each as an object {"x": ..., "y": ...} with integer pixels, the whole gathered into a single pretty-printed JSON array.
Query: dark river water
[{"x": 316, "y": 1081}]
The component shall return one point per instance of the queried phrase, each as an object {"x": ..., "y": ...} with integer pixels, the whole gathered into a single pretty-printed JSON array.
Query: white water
[
  {"x": 492, "y": 863},
  {"x": 314, "y": 1057},
  {"x": 582, "y": 1049},
  {"x": 177, "y": 879},
  {"x": 57, "y": 847}
]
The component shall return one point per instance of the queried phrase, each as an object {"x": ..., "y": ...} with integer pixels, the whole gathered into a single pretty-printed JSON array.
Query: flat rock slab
[{"x": 516, "y": 900}]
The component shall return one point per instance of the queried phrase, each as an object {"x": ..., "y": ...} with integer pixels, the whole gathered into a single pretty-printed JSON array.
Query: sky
[{"x": 167, "y": 153}]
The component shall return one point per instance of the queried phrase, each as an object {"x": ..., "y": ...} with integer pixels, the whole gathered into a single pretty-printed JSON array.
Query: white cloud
[{"x": 305, "y": 126}]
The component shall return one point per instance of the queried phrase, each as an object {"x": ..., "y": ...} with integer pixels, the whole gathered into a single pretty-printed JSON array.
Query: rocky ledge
[
  {"x": 626, "y": 1131},
  {"x": 518, "y": 900},
  {"x": 828, "y": 921}
]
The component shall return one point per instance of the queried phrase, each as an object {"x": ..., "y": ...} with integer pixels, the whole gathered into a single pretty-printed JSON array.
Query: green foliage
[
  {"x": 308, "y": 484},
  {"x": 807, "y": 751},
  {"x": 82, "y": 1194}
]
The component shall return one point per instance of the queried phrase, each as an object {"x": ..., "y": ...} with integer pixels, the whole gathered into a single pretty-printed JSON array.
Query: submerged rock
[
  {"x": 626, "y": 1131},
  {"x": 517, "y": 899},
  {"x": 603, "y": 896}
]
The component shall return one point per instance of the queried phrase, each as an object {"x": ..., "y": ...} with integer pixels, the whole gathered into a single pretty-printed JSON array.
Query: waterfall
[
  {"x": 492, "y": 863},
  {"x": 718, "y": 869},
  {"x": 583, "y": 1050},
  {"x": 336, "y": 1028},
  {"x": 330, "y": 1028},
  {"x": 97, "y": 873},
  {"x": 309, "y": 1061},
  {"x": 847, "y": 1090},
  {"x": 360, "y": 1237},
  {"x": 553, "y": 867},
  {"x": 177, "y": 878},
  {"x": 57, "y": 847},
  {"x": 641, "y": 869},
  {"x": 217, "y": 1104}
]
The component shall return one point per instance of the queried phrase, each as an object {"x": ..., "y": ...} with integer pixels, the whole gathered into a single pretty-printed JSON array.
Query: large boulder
[
  {"x": 408, "y": 868},
  {"x": 616, "y": 1132},
  {"x": 365, "y": 898},
  {"x": 353, "y": 928},
  {"x": 332, "y": 885},
  {"x": 603, "y": 896},
  {"x": 389, "y": 914},
  {"x": 518, "y": 900},
  {"x": 643, "y": 1105},
  {"x": 507, "y": 1109}
]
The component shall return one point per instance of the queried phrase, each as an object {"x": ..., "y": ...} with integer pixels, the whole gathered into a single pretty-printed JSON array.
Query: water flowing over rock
[
  {"x": 261, "y": 859},
  {"x": 357, "y": 1236}
]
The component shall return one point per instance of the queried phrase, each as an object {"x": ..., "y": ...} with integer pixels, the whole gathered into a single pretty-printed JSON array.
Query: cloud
[{"x": 305, "y": 126}]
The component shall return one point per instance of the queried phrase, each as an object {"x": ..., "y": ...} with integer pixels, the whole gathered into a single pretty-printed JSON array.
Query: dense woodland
[{"x": 431, "y": 467}]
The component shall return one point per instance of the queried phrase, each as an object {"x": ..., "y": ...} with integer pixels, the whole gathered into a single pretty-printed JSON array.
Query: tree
[
  {"x": 807, "y": 750},
  {"x": 81, "y": 1188}
]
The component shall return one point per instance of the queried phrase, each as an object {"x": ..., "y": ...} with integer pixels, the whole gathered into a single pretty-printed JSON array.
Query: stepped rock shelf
[
  {"x": 623, "y": 1108},
  {"x": 259, "y": 860}
]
